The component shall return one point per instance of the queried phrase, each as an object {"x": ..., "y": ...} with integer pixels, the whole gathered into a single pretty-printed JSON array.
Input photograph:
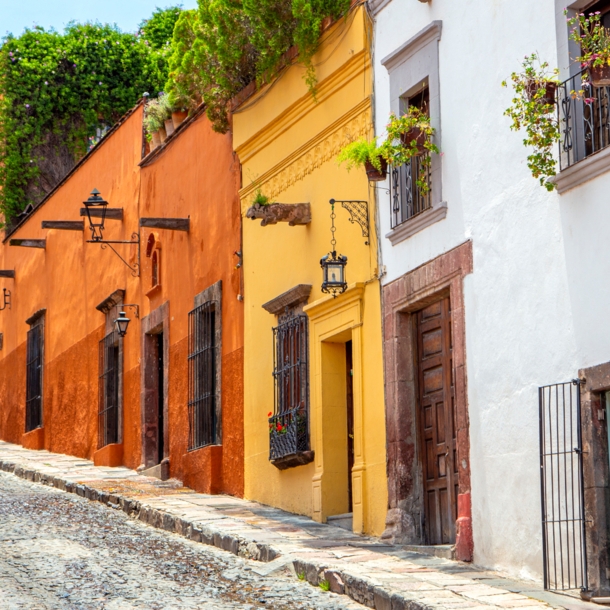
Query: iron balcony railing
[
  {"x": 583, "y": 118},
  {"x": 407, "y": 198}
]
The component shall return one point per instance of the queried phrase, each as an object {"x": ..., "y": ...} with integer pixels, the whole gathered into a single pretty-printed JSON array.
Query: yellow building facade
[{"x": 307, "y": 351}]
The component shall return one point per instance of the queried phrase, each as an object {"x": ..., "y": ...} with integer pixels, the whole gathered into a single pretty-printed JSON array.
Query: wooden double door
[{"x": 436, "y": 421}]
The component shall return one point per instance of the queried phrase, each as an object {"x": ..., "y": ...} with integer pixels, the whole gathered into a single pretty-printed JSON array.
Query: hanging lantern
[
  {"x": 333, "y": 271},
  {"x": 121, "y": 324},
  {"x": 333, "y": 264},
  {"x": 92, "y": 205}
]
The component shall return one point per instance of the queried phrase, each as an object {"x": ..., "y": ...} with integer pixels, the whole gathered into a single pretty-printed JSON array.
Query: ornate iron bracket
[
  {"x": 6, "y": 297},
  {"x": 359, "y": 213},
  {"x": 135, "y": 240},
  {"x": 134, "y": 306}
]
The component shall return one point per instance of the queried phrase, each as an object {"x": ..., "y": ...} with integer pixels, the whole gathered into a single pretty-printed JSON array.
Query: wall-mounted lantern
[
  {"x": 122, "y": 322},
  {"x": 92, "y": 205},
  {"x": 96, "y": 207},
  {"x": 333, "y": 264}
]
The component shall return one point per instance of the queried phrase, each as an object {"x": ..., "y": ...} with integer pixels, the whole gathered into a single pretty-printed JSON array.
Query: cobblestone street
[{"x": 58, "y": 550}]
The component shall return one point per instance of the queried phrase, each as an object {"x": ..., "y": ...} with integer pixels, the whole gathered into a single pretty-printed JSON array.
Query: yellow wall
[{"x": 287, "y": 144}]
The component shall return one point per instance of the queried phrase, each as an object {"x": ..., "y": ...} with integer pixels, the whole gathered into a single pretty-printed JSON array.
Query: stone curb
[{"x": 357, "y": 588}]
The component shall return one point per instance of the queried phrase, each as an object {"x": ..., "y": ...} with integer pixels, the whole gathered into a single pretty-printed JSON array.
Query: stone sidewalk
[{"x": 369, "y": 571}]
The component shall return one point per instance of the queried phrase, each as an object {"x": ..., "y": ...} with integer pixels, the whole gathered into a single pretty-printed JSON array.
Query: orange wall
[{"x": 195, "y": 176}]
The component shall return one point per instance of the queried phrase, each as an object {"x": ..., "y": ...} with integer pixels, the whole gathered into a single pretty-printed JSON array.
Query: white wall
[{"x": 537, "y": 302}]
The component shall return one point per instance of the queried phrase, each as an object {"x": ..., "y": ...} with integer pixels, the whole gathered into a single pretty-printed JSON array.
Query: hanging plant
[
  {"x": 533, "y": 109},
  {"x": 365, "y": 153},
  {"x": 409, "y": 136}
]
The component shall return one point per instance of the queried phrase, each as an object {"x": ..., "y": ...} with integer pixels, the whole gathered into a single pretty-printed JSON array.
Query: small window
[
  {"x": 202, "y": 365},
  {"x": 408, "y": 200},
  {"x": 289, "y": 424},
  {"x": 34, "y": 370},
  {"x": 108, "y": 411},
  {"x": 155, "y": 269}
]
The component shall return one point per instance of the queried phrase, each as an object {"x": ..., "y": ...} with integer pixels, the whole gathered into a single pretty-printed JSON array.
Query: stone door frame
[{"x": 438, "y": 278}]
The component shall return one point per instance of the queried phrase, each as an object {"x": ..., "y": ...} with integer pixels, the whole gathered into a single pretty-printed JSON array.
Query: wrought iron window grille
[
  {"x": 34, "y": 372},
  {"x": 108, "y": 389},
  {"x": 202, "y": 376},
  {"x": 583, "y": 113},
  {"x": 289, "y": 423},
  {"x": 407, "y": 198}
]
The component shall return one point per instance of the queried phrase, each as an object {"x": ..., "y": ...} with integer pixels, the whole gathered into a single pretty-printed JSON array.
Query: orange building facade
[{"x": 166, "y": 398}]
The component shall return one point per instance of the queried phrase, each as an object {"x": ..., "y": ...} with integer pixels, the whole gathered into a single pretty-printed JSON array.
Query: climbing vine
[
  {"x": 226, "y": 44},
  {"x": 58, "y": 91}
]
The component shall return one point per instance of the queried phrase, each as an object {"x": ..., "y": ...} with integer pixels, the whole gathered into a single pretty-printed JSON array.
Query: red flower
[{"x": 269, "y": 414}]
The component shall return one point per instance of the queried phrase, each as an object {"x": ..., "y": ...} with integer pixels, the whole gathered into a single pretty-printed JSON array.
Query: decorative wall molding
[
  {"x": 319, "y": 150},
  {"x": 303, "y": 106}
]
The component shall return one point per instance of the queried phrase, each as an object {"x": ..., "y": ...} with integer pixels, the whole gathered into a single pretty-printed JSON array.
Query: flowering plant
[
  {"x": 156, "y": 113},
  {"x": 408, "y": 136},
  {"x": 275, "y": 427},
  {"x": 531, "y": 110},
  {"x": 593, "y": 39}
]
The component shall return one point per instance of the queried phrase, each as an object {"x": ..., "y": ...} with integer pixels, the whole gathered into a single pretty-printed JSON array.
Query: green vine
[
  {"x": 58, "y": 92},
  {"x": 227, "y": 44}
]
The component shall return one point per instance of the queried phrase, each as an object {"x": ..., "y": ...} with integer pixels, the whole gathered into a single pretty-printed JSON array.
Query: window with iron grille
[
  {"x": 202, "y": 366},
  {"x": 289, "y": 424},
  {"x": 408, "y": 200},
  {"x": 109, "y": 370},
  {"x": 34, "y": 360}
]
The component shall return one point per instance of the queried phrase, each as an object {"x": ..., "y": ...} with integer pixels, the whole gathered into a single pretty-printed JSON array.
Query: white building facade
[{"x": 495, "y": 290}]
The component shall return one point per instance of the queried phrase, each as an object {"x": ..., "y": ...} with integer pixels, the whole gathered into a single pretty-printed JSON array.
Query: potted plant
[
  {"x": 165, "y": 108},
  {"x": 153, "y": 122},
  {"x": 365, "y": 153},
  {"x": 533, "y": 110},
  {"x": 409, "y": 136},
  {"x": 594, "y": 41}
]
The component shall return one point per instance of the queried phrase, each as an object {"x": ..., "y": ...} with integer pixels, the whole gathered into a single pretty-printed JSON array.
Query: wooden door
[{"x": 436, "y": 420}]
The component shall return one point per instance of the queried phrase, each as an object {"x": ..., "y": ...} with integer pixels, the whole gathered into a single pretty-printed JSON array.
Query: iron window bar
[
  {"x": 562, "y": 487},
  {"x": 583, "y": 115},
  {"x": 108, "y": 409},
  {"x": 202, "y": 376},
  {"x": 34, "y": 370},
  {"x": 289, "y": 423},
  {"x": 407, "y": 199}
]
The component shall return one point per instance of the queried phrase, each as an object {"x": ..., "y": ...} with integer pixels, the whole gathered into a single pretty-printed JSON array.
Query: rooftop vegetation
[{"x": 58, "y": 90}]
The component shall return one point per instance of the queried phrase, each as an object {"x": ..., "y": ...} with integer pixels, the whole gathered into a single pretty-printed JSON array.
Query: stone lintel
[
  {"x": 111, "y": 300},
  {"x": 291, "y": 298}
]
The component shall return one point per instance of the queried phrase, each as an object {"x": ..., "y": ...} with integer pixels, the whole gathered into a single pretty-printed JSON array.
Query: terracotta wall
[{"x": 194, "y": 176}]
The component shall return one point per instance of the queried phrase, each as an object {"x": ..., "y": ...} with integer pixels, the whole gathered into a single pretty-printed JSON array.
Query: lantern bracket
[
  {"x": 6, "y": 298},
  {"x": 135, "y": 240},
  {"x": 134, "y": 306},
  {"x": 359, "y": 213}
]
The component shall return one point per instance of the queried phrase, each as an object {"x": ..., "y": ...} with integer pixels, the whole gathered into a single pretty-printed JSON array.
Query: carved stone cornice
[
  {"x": 324, "y": 147},
  {"x": 291, "y": 298},
  {"x": 111, "y": 300},
  {"x": 272, "y": 213}
]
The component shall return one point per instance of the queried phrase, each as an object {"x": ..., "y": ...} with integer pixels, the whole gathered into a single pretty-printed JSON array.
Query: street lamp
[
  {"x": 121, "y": 324},
  {"x": 92, "y": 205},
  {"x": 333, "y": 273}
]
